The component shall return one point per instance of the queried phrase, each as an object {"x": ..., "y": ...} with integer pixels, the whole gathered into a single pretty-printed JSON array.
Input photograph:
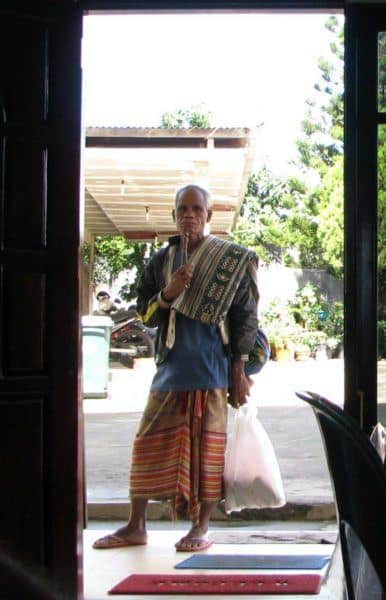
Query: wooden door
[
  {"x": 363, "y": 117},
  {"x": 40, "y": 423}
]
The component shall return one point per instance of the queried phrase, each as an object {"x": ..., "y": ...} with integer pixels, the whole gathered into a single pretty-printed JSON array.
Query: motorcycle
[{"x": 130, "y": 338}]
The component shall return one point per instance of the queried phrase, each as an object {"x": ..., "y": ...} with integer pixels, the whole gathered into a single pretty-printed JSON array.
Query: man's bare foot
[
  {"x": 125, "y": 536},
  {"x": 194, "y": 541}
]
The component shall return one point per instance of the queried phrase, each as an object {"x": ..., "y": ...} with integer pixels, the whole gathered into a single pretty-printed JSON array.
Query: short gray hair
[{"x": 192, "y": 186}]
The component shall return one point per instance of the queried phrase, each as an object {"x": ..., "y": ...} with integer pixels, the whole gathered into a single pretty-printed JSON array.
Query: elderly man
[{"x": 202, "y": 294}]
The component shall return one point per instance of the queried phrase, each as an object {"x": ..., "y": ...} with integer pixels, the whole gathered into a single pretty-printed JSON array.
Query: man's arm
[
  {"x": 155, "y": 298},
  {"x": 149, "y": 305},
  {"x": 243, "y": 326}
]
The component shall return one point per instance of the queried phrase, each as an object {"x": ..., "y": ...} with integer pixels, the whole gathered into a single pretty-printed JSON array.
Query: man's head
[
  {"x": 104, "y": 300},
  {"x": 102, "y": 295},
  {"x": 192, "y": 210}
]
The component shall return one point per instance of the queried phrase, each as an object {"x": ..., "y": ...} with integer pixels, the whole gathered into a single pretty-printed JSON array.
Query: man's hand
[
  {"x": 241, "y": 385},
  {"x": 179, "y": 282}
]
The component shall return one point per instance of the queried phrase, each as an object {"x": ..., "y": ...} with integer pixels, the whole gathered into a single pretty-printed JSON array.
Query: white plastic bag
[{"x": 252, "y": 476}]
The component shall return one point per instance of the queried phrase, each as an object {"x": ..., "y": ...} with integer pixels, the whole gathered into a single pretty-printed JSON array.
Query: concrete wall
[{"x": 276, "y": 281}]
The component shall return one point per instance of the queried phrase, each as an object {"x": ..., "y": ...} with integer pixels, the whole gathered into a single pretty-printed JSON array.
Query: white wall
[{"x": 276, "y": 281}]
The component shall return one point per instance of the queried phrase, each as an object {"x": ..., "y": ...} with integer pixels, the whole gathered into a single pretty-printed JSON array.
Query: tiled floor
[{"x": 105, "y": 568}]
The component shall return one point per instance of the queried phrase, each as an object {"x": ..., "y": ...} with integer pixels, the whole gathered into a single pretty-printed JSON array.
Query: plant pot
[
  {"x": 321, "y": 352},
  {"x": 338, "y": 351},
  {"x": 303, "y": 354},
  {"x": 282, "y": 354}
]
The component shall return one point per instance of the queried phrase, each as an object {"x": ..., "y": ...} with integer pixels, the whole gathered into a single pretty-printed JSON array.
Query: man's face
[
  {"x": 104, "y": 302},
  {"x": 191, "y": 214}
]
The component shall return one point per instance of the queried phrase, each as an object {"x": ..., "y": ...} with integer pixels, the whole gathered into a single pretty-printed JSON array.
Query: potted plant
[
  {"x": 281, "y": 343},
  {"x": 334, "y": 347},
  {"x": 302, "y": 351},
  {"x": 302, "y": 345},
  {"x": 278, "y": 326}
]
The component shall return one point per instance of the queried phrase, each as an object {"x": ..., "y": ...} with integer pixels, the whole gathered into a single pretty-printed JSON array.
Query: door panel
[
  {"x": 361, "y": 243},
  {"x": 25, "y": 195},
  {"x": 23, "y": 502},
  {"x": 40, "y": 411},
  {"x": 27, "y": 96},
  {"x": 24, "y": 344}
]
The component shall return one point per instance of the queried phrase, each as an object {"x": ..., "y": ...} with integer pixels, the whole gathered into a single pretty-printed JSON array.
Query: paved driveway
[{"x": 111, "y": 425}]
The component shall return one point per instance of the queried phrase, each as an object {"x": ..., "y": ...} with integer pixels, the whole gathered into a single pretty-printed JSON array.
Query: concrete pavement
[
  {"x": 110, "y": 427},
  {"x": 274, "y": 386}
]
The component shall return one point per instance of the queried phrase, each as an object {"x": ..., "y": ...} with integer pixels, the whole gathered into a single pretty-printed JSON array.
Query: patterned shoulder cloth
[{"x": 218, "y": 267}]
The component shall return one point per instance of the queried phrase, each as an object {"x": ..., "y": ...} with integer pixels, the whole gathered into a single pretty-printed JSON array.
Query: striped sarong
[{"x": 179, "y": 449}]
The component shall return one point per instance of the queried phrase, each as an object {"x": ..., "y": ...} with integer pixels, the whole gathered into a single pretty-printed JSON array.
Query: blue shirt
[{"x": 197, "y": 360}]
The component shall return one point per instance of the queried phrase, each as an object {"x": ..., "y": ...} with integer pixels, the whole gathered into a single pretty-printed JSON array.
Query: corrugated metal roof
[{"x": 132, "y": 175}]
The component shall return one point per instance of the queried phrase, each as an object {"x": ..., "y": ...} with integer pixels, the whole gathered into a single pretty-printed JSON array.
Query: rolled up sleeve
[
  {"x": 148, "y": 305},
  {"x": 243, "y": 319}
]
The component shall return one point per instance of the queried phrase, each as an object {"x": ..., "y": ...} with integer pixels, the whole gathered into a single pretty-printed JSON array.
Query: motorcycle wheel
[{"x": 138, "y": 341}]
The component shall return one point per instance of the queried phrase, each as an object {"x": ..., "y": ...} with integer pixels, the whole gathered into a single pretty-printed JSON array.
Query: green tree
[
  {"x": 301, "y": 224},
  {"x": 111, "y": 257},
  {"x": 321, "y": 151},
  {"x": 141, "y": 253},
  {"x": 323, "y": 125},
  {"x": 278, "y": 220},
  {"x": 114, "y": 255},
  {"x": 330, "y": 217},
  {"x": 194, "y": 116}
]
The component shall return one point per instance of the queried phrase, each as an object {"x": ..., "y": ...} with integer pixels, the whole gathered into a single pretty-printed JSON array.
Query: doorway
[
  {"x": 39, "y": 257},
  {"x": 313, "y": 294}
]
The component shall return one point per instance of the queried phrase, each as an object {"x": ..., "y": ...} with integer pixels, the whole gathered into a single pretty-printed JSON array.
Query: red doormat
[{"x": 298, "y": 583}]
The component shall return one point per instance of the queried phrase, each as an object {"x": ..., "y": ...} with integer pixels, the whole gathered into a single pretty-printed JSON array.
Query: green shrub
[{"x": 309, "y": 319}]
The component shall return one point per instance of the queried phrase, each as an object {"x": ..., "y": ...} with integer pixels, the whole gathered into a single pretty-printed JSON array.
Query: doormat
[
  {"x": 299, "y": 562},
  {"x": 220, "y": 584}
]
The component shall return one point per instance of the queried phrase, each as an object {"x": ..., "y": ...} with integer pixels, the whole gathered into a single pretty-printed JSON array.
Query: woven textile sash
[{"x": 218, "y": 267}]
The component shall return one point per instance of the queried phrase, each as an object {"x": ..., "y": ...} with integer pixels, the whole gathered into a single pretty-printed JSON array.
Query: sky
[{"x": 250, "y": 70}]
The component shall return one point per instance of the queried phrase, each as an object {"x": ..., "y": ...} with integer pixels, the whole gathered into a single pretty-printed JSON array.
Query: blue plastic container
[{"x": 96, "y": 332}]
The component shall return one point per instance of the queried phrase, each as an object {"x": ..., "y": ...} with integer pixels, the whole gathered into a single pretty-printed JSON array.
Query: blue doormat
[{"x": 254, "y": 561}]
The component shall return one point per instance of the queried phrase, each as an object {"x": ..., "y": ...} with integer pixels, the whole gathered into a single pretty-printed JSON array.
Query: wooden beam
[
  {"x": 144, "y": 235},
  {"x": 132, "y": 142}
]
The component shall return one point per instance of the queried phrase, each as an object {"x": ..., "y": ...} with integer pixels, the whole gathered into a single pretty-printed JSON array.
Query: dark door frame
[
  {"x": 362, "y": 23},
  {"x": 361, "y": 123}
]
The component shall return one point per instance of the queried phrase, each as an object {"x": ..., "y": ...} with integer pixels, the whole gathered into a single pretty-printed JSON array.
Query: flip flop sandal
[
  {"x": 114, "y": 541},
  {"x": 202, "y": 544}
]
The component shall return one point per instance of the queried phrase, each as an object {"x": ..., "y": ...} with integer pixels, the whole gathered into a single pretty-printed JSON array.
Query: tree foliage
[
  {"x": 287, "y": 220},
  {"x": 194, "y": 116},
  {"x": 115, "y": 254},
  {"x": 278, "y": 220},
  {"x": 323, "y": 124},
  {"x": 330, "y": 217},
  {"x": 141, "y": 252},
  {"x": 321, "y": 150},
  {"x": 111, "y": 257}
]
